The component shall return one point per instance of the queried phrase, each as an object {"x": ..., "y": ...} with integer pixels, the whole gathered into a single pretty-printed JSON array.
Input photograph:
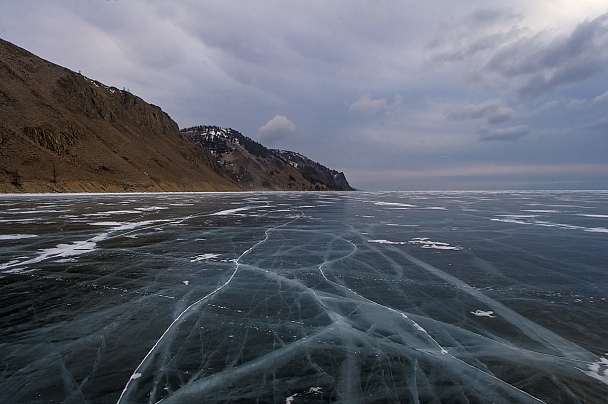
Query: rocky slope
[
  {"x": 257, "y": 168},
  {"x": 63, "y": 132}
]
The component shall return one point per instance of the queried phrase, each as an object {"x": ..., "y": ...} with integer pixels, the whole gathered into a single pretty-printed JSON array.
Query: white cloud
[
  {"x": 601, "y": 99},
  {"x": 276, "y": 129},
  {"x": 367, "y": 106}
]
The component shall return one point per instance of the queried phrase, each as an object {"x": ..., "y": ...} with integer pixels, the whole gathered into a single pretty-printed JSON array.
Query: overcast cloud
[{"x": 397, "y": 94}]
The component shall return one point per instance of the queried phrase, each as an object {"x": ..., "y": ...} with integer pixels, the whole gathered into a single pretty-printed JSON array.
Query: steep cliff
[{"x": 63, "y": 132}]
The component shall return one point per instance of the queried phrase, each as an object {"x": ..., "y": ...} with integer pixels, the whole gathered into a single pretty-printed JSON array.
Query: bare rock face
[{"x": 63, "y": 132}]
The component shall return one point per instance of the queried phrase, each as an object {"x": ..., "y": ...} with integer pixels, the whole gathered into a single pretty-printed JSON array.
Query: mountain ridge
[
  {"x": 273, "y": 169},
  {"x": 63, "y": 132}
]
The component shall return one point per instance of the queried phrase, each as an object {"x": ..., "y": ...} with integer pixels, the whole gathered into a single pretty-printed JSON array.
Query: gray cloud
[
  {"x": 481, "y": 32},
  {"x": 576, "y": 104},
  {"x": 510, "y": 134},
  {"x": 334, "y": 68},
  {"x": 541, "y": 64},
  {"x": 489, "y": 16},
  {"x": 367, "y": 106},
  {"x": 567, "y": 73},
  {"x": 536, "y": 63},
  {"x": 493, "y": 111},
  {"x": 278, "y": 128}
]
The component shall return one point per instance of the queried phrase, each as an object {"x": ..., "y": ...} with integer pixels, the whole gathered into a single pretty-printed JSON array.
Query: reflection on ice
[{"x": 287, "y": 298}]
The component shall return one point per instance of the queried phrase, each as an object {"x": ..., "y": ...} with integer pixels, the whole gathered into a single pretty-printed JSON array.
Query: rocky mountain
[
  {"x": 63, "y": 132},
  {"x": 255, "y": 167}
]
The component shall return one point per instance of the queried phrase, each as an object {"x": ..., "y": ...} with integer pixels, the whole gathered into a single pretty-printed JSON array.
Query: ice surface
[{"x": 304, "y": 297}]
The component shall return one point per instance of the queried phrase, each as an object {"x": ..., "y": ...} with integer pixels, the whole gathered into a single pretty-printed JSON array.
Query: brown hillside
[{"x": 63, "y": 132}]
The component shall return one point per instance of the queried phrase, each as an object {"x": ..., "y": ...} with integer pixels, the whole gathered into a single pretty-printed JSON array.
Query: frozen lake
[{"x": 304, "y": 297}]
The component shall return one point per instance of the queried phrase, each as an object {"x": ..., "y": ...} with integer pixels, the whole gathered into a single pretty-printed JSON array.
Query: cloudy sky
[{"x": 400, "y": 95}]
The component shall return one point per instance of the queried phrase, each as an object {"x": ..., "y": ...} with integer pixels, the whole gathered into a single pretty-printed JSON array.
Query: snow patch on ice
[
  {"x": 311, "y": 391},
  {"x": 111, "y": 212},
  {"x": 482, "y": 313},
  {"x": 231, "y": 211},
  {"x": 79, "y": 247},
  {"x": 425, "y": 242},
  {"x": 402, "y": 205},
  {"x": 16, "y": 236},
  {"x": 151, "y": 208},
  {"x": 597, "y": 230},
  {"x": 386, "y": 242},
  {"x": 204, "y": 257},
  {"x": 598, "y": 370},
  {"x": 106, "y": 224},
  {"x": 528, "y": 220}
]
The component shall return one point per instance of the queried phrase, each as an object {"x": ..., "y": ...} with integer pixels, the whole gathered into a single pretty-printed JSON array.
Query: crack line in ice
[
  {"x": 276, "y": 357},
  {"x": 457, "y": 283},
  {"x": 568, "y": 349},
  {"x": 415, "y": 325},
  {"x": 144, "y": 363},
  {"x": 418, "y": 327}
]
